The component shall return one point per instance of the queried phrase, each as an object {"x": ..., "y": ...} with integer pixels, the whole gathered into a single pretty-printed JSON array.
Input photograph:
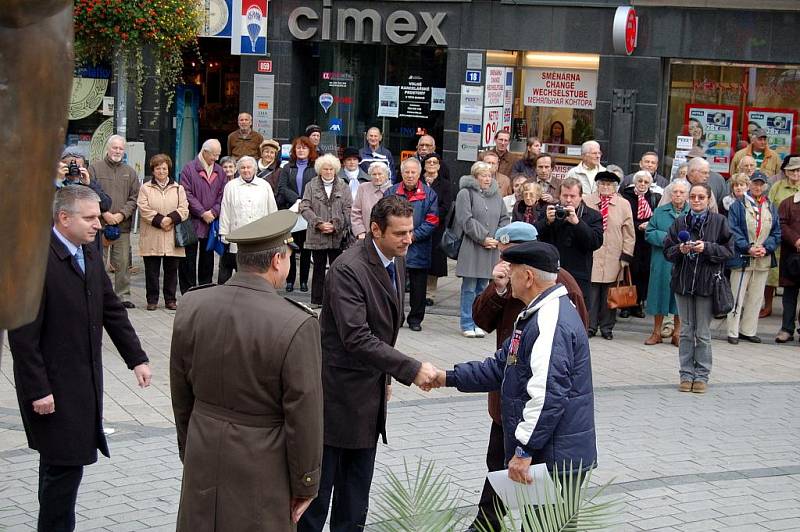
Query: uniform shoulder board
[
  {"x": 200, "y": 287},
  {"x": 302, "y": 306}
]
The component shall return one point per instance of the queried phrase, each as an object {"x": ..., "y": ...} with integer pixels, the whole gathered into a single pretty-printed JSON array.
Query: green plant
[
  {"x": 424, "y": 503},
  {"x": 119, "y": 30}
]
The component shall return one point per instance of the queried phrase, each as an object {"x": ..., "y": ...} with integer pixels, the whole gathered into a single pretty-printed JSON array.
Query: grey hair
[
  {"x": 379, "y": 164},
  {"x": 411, "y": 160},
  {"x": 545, "y": 277},
  {"x": 112, "y": 138},
  {"x": 614, "y": 169},
  {"x": 67, "y": 199},
  {"x": 245, "y": 159},
  {"x": 682, "y": 182},
  {"x": 259, "y": 261},
  {"x": 642, "y": 173},
  {"x": 696, "y": 162},
  {"x": 480, "y": 167},
  {"x": 587, "y": 145},
  {"x": 210, "y": 144},
  {"x": 327, "y": 160},
  {"x": 228, "y": 159}
]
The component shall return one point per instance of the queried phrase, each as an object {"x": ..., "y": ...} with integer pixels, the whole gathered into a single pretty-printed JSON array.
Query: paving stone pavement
[{"x": 728, "y": 460}]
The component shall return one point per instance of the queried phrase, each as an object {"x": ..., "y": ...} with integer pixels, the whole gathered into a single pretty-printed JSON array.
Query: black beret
[
  {"x": 539, "y": 255},
  {"x": 351, "y": 152},
  {"x": 606, "y": 176},
  {"x": 313, "y": 128}
]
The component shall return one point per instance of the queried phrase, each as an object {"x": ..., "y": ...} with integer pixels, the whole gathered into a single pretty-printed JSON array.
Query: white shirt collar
[
  {"x": 383, "y": 258},
  {"x": 72, "y": 248}
]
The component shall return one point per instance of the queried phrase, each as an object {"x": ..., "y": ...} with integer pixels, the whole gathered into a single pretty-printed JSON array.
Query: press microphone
[{"x": 684, "y": 236}]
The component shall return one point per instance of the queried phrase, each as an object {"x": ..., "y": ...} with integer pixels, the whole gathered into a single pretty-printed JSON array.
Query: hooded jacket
[{"x": 478, "y": 215}]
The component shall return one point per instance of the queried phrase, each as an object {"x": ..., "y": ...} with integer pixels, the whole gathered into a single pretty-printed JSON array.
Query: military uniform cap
[{"x": 265, "y": 233}]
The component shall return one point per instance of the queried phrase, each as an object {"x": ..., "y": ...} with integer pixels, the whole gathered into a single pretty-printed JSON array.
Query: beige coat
[
  {"x": 154, "y": 205},
  {"x": 618, "y": 239}
]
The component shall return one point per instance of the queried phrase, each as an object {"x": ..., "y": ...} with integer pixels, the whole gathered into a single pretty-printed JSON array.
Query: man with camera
[
  {"x": 576, "y": 230},
  {"x": 72, "y": 171}
]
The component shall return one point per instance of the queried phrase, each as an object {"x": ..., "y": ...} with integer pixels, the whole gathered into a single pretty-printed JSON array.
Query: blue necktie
[
  {"x": 392, "y": 273},
  {"x": 79, "y": 259}
]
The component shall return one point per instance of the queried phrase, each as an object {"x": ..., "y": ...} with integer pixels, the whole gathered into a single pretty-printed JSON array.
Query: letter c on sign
[{"x": 294, "y": 27}]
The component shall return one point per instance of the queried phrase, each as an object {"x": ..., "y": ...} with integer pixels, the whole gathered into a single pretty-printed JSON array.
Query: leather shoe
[
  {"x": 686, "y": 386},
  {"x": 428, "y": 302},
  {"x": 733, "y": 340},
  {"x": 699, "y": 387},
  {"x": 751, "y": 339},
  {"x": 171, "y": 305},
  {"x": 625, "y": 313},
  {"x": 416, "y": 327},
  {"x": 304, "y": 287},
  {"x": 128, "y": 304},
  {"x": 290, "y": 287},
  {"x": 637, "y": 313},
  {"x": 152, "y": 306},
  {"x": 784, "y": 337},
  {"x": 607, "y": 335}
]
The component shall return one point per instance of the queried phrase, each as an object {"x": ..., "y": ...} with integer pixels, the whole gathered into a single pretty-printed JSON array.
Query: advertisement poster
[
  {"x": 263, "y": 103},
  {"x": 470, "y": 117},
  {"x": 495, "y": 86},
  {"x": 388, "y": 100},
  {"x": 492, "y": 118},
  {"x": 712, "y": 128},
  {"x": 249, "y": 31},
  {"x": 560, "y": 87},
  {"x": 415, "y": 98},
  {"x": 508, "y": 100},
  {"x": 438, "y": 95},
  {"x": 779, "y": 124}
]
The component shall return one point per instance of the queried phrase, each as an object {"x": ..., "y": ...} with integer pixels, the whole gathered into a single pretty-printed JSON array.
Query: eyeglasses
[{"x": 698, "y": 197}]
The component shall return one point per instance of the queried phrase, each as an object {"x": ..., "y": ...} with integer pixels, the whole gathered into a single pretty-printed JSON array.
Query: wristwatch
[{"x": 519, "y": 452}]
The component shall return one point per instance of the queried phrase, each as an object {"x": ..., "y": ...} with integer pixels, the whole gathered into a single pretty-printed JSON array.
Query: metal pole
[{"x": 121, "y": 97}]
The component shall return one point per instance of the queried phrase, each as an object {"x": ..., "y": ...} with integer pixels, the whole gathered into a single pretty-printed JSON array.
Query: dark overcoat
[
  {"x": 60, "y": 353},
  {"x": 361, "y": 317},
  {"x": 247, "y": 398}
]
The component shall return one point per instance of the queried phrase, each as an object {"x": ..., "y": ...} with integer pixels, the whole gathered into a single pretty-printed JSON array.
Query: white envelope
[{"x": 541, "y": 491}]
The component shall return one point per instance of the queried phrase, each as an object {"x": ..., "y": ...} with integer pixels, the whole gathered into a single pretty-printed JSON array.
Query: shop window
[{"x": 719, "y": 104}]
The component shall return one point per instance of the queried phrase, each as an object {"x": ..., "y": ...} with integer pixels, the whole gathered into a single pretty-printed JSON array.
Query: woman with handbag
[
  {"x": 479, "y": 212},
  {"x": 326, "y": 207},
  {"x": 789, "y": 213},
  {"x": 643, "y": 201},
  {"x": 614, "y": 256},
  {"x": 162, "y": 206},
  {"x": 756, "y": 235},
  {"x": 698, "y": 244},
  {"x": 660, "y": 297}
]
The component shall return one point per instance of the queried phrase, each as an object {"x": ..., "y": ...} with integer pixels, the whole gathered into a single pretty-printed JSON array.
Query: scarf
[
  {"x": 605, "y": 201},
  {"x": 351, "y": 174},
  {"x": 643, "y": 209},
  {"x": 529, "y": 216},
  {"x": 696, "y": 221},
  {"x": 759, "y": 203}
]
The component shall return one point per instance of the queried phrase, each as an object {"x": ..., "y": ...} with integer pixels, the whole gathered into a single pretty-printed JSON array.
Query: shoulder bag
[
  {"x": 184, "y": 232},
  {"x": 451, "y": 239},
  {"x": 623, "y": 295},
  {"x": 721, "y": 295}
]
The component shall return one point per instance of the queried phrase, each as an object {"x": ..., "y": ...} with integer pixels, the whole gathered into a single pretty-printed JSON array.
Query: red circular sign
[{"x": 631, "y": 31}]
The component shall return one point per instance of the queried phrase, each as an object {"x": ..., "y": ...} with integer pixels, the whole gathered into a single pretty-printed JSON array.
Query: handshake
[{"x": 429, "y": 377}]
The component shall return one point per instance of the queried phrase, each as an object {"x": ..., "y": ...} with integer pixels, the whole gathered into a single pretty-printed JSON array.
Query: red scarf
[
  {"x": 643, "y": 210},
  {"x": 759, "y": 203},
  {"x": 605, "y": 201}
]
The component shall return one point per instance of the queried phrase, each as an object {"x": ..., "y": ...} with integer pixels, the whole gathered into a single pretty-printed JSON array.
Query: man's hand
[
  {"x": 63, "y": 169},
  {"x": 207, "y": 217},
  {"x": 489, "y": 243},
  {"x": 85, "y": 177},
  {"x": 550, "y": 214},
  {"x": 501, "y": 275},
  {"x": 143, "y": 376},
  {"x": 425, "y": 376},
  {"x": 438, "y": 382},
  {"x": 45, "y": 405},
  {"x": 572, "y": 216},
  {"x": 299, "y": 505},
  {"x": 109, "y": 218},
  {"x": 548, "y": 198},
  {"x": 519, "y": 470}
]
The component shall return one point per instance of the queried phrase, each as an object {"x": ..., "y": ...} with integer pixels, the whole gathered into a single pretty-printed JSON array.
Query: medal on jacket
[{"x": 514, "y": 347}]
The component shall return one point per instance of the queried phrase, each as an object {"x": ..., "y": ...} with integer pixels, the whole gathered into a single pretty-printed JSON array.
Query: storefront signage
[
  {"x": 711, "y": 127},
  {"x": 779, "y": 125},
  {"x": 684, "y": 143},
  {"x": 217, "y": 22},
  {"x": 494, "y": 91},
  {"x": 473, "y": 76},
  {"x": 325, "y": 101},
  {"x": 492, "y": 118},
  {"x": 400, "y": 27},
  {"x": 415, "y": 98},
  {"x": 263, "y": 98},
  {"x": 264, "y": 66},
  {"x": 438, "y": 97},
  {"x": 249, "y": 33},
  {"x": 554, "y": 87},
  {"x": 470, "y": 122},
  {"x": 625, "y": 30},
  {"x": 508, "y": 100}
]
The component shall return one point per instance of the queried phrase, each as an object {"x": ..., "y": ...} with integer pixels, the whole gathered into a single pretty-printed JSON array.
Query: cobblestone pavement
[{"x": 728, "y": 460}]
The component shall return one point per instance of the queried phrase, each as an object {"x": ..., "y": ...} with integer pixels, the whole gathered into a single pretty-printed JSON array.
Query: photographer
[
  {"x": 576, "y": 230},
  {"x": 72, "y": 171}
]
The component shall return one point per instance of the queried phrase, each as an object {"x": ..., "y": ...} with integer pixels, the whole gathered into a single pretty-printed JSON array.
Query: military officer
[{"x": 245, "y": 368}]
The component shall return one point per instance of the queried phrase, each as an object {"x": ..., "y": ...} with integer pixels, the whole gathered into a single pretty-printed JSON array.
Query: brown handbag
[{"x": 623, "y": 295}]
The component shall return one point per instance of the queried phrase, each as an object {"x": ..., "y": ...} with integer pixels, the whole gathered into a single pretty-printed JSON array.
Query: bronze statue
[{"x": 36, "y": 69}]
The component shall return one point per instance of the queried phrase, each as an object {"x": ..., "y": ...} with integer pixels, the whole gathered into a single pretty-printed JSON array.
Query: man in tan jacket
[
  {"x": 245, "y": 376},
  {"x": 766, "y": 159}
]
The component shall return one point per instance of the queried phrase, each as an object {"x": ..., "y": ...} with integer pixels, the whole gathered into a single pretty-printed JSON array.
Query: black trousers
[
  {"x": 305, "y": 259},
  {"x": 197, "y": 267},
  {"x": 58, "y": 491},
  {"x": 227, "y": 264},
  {"x": 487, "y": 516},
  {"x": 600, "y": 316},
  {"x": 418, "y": 281},
  {"x": 586, "y": 289},
  {"x": 347, "y": 474},
  {"x": 152, "y": 273},
  {"x": 322, "y": 258}
]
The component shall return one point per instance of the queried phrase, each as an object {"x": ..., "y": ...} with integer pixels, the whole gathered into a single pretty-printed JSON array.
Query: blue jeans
[{"x": 470, "y": 288}]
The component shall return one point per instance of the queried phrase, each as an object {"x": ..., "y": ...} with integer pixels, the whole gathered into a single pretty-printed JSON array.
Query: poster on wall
[
  {"x": 779, "y": 124},
  {"x": 560, "y": 87},
  {"x": 470, "y": 122},
  {"x": 249, "y": 27},
  {"x": 388, "y": 100},
  {"x": 712, "y": 128},
  {"x": 508, "y": 100},
  {"x": 415, "y": 98},
  {"x": 438, "y": 96},
  {"x": 494, "y": 94},
  {"x": 492, "y": 119},
  {"x": 263, "y": 103}
]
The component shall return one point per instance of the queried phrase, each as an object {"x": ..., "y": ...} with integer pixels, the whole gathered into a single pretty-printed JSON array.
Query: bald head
[{"x": 426, "y": 145}]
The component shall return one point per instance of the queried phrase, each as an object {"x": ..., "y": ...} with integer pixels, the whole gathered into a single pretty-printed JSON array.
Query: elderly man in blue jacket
[
  {"x": 543, "y": 370},
  {"x": 426, "y": 218}
]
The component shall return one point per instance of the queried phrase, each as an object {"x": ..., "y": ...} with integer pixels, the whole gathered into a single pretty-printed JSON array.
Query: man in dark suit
[
  {"x": 362, "y": 311},
  {"x": 58, "y": 370}
]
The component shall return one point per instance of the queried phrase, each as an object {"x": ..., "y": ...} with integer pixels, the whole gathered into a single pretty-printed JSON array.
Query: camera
[
  {"x": 73, "y": 170},
  {"x": 561, "y": 212}
]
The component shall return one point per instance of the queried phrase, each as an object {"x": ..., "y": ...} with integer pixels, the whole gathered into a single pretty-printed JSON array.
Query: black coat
[
  {"x": 444, "y": 193},
  {"x": 60, "y": 354},
  {"x": 360, "y": 319},
  {"x": 287, "y": 184},
  {"x": 575, "y": 243}
]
